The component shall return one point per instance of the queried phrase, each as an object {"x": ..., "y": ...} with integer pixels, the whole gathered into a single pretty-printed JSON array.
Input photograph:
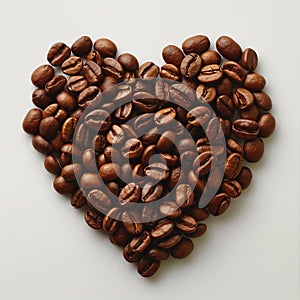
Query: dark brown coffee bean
[
  {"x": 57, "y": 142},
  {"x": 163, "y": 229},
  {"x": 191, "y": 83},
  {"x": 151, "y": 192},
  {"x": 93, "y": 219},
  {"x": 210, "y": 73},
  {"x": 219, "y": 204},
  {"x": 234, "y": 147},
  {"x": 226, "y": 126},
  {"x": 41, "y": 145},
  {"x": 87, "y": 96},
  {"x": 78, "y": 199},
  {"x": 148, "y": 153},
  {"x": 157, "y": 254},
  {"x": 191, "y": 65},
  {"x": 202, "y": 163},
  {"x": 130, "y": 255},
  {"x": 55, "y": 85},
  {"x": 233, "y": 165},
  {"x": 64, "y": 187},
  {"x": 41, "y": 99},
  {"x": 263, "y": 101},
  {"x": 243, "y": 99},
  {"x": 68, "y": 129},
  {"x": 196, "y": 44},
  {"x": 48, "y": 127},
  {"x": 109, "y": 171},
  {"x": 225, "y": 106},
  {"x": 169, "y": 71},
  {"x": 145, "y": 102},
  {"x": 147, "y": 267},
  {"x": 232, "y": 188},
  {"x": 210, "y": 57},
  {"x": 132, "y": 148},
  {"x": 92, "y": 72},
  {"x": 122, "y": 113},
  {"x": 161, "y": 90},
  {"x": 90, "y": 181},
  {"x": 113, "y": 187},
  {"x": 141, "y": 243},
  {"x": 245, "y": 129},
  {"x": 105, "y": 47},
  {"x": 170, "y": 241},
  {"x": 58, "y": 53},
  {"x": 234, "y": 71},
  {"x": 113, "y": 68},
  {"x": 110, "y": 222},
  {"x": 182, "y": 95},
  {"x": 251, "y": 113},
  {"x": 172, "y": 55},
  {"x": 42, "y": 75},
  {"x": 186, "y": 224},
  {"x": 132, "y": 223},
  {"x": 128, "y": 62},
  {"x": 72, "y": 65},
  {"x": 254, "y": 150},
  {"x": 98, "y": 120},
  {"x": 199, "y": 116},
  {"x": 266, "y": 125},
  {"x": 148, "y": 71},
  {"x": 165, "y": 116},
  {"x": 77, "y": 83},
  {"x": 254, "y": 82},
  {"x": 229, "y": 48},
  {"x": 82, "y": 46},
  {"x": 184, "y": 195},
  {"x": 249, "y": 59},
  {"x": 115, "y": 135},
  {"x": 201, "y": 229},
  {"x": 225, "y": 87},
  {"x": 112, "y": 154},
  {"x": 199, "y": 214},
  {"x": 183, "y": 249},
  {"x": 95, "y": 56},
  {"x": 245, "y": 177},
  {"x": 32, "y": 120},
  {"x": 69, "y": 172},
  {"x": 170, "y": 209},
  {"x": 157, "y": 171},
  {"x": 166, "y": 141},
  {"x": 208, "y": 94},
  {"x": 130, "y": 193},
  {"x": 120, "y": 237},
  {"x": 66, "y": 101},
  {"x": 98, "y": 200},
  {"x": 51, "y": 165}
]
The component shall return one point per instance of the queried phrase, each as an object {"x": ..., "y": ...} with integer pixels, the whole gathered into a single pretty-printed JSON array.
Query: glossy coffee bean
[
  {"x": 234, "y": 147},
  {"x": 191, "y": 65},
  {"x": 170, "y": 209},
  {"x": 41, "y": 145},
  {"x": 186, "y": 224},
  {"x": 225, "y": 87},
  {"x": 251, "y": 113},
  {"x": 32, "y": 120},
  {"x": 210, "y": 73},
  {"x": 245, "y": 129},
  {"x": 55, "y": 85},
  {"x": 130, "y": 193},
  {"x": 165, "y": 116},
  {"x": 82, "y": 46},
  {"x": 245, "y": 177},
  {"x": 170, "y": 241},
  {"x": 163, "y": 229},
  {"x": 232, "y": 188},
  {"x": 196, "y": 44},
  {"x": 120, "y": 237},
  {"x": 183, "y": 249},
  {"x": 148, "y": 71},
  {"x": 77, "y": 83},
  {"x": 105, "y": 47},
  {"x": 132, "y": 148},
  {"x": 229, "y": 48},
  {"x": 184, "y": 195},
  {"x": 41, "y": 99},
  {"x": 199, "y": 214},
  {"x": 201, "y": 229},
  {"x": 78, "y": 199},
  {"x": 111, "y": 67},
  {"x": 48, "y": 127},
  {"x": 266, "y": 125},
  {"x": 172, "y": 55},
  {"x": 210, "y": 57},
  {"x": 68, "y": 129},
  {"x": 166, "y": 141},
  {"x": 243, "y": 98},
  {"x": 225, "y": 106},
  {"x": 66, "y": 101},
  {"x": 98, "y": 200},
  {"x": 58, "y": 53},
  {"x": 249, "y": 59},
  {"x": 157, "y": 171},
  {"x": 98, "y": 120},
  {"x": 145, "y": 102},
  {"x": 87, "y": 96},
  {"x": 157, "y": 253},
  {"x": 71, "y": 171},
  {"x": 42, "y": 75},
  {"x": 263, "y": 100},
  {"x": 90, "y": 181},
  {"x": 51, "y": 165},
  {"x": 95, "y": 56},
  {"x": 219, "y": 204},
  {"x": 234, "y": 71},
  {"x": 169, "y": 71},
  {"x": 254, "y": 150},
  {"x": 254, "y": 82},
  {"x": 233, "y": 165},
  {"x": 147, "y": 267},
  {"x": 93, "y": 219},
  {"x": 208, "y": 94},
  {"x": 109, "y": 171},
  {"x": 131, "y": 223},
  {"x": 128, "y": 62},
  {"x": 151, "y": 192},
  {"x": 110, "y": 222},
  {"x": 92, "y": 72},
  {"x": 72, "y": 65},
  {"x": 63, "y": 186}
]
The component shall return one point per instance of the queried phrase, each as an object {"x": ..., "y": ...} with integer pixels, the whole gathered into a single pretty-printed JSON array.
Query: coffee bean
[
  {"x": 225, "y": 106},
  {"x": 109, "y": 171},
  {"x": 254, "y": 82},
  {"x": 51, "y": 165},
  {"x": 165, "y": 116},
  {"x": 170, "y": 209},
  {"x": 147, "y": 267},
  {"x": 113, "y": 68},
  {"x": 210, "y": 57},
  {"x": 219, "y": 204},
  {"x": 77, "y": 83},
  {"x": 82, "y": 46},
  {"x": 266, "y": 125},
  {"x": 132, "y": 223},
  {"x": 110, "y": 222},
  {"x": 145, "y": 102},
  {"x": 95, "y": 56},
  {"x": 208, "y": 94},
  {"x": 78, "y": 200},
  {"x": 128, "y": 62},
  {"x": 166, "y": 141},
  {"x": 191, "y": 65},
  {"x": 132, "y": 148},
  {"x": 88, "y": 96},
  {"x": 68, "y": 129},
  {"x": 42, "y": 75},
  {"x": 115, "y": 135},
  {"x": 233, "y": 165},
  {"x": 245, "y": 129},
  {"x": 157, "y": 171},
  {"x": 172, "y": 55},
  {"x": 92, "y": 72},
  {"x": 98, "y": 120},
  {"x": 243, "y": 99},
  {"x": 254, "y": 150},
  {"x": 198, "y": 116},
  {"x": 148, "y": 153},
  {"x": 169, "y": 71},
  {"x": 48, "y": 127},
  {"x": 201, "y": 229},
  {"x": 170, "y": 241},
  {"x": 234, "y": 147},
  {"x": 71, "y": 171},
  {"x": 251, "y": 113},
  {"x": 151, "y": 192},
  {"x": 263, "y": 100},
  {"x": 184, "y": 195},
  {"x": 41, "y": 99},
  {"x": 186, "y": 224},
  {"x": 202, "y": 163},
  {"x": 58, "y": 53},
  {"x": 72, "y": 65},
  {"x": 120, "y": 237},
  {"x": 234, "y": 71},
  {"x": 93, "y": 219},
  {"x": 199, "y": 214},
  {"x": 98, "y": 200},
  {"x": 66, "y": 101},
  {"x": 210, "y": 73},
  {"x": 64, "y": 187},
  {"x": 163, "y": 229},
  {"x": 130, "y": 193},
  {"x": 123, "y": 112},
  {"x": 157, "y": 253},
  {"x": 148, "y": 71},
  {"x": 244, "y": 177},
  {"x": 232, "y": 188},
  {"x": 41, "y": 145},
  {"x": 141, "y": 243},
  {"x": 105, "y": 47},
  {"x": 182, "y": 95},
  {"x": 229, "y": 48},
  {"x": 225, "y": 87},
  {"x": 90, "y": 181},
  {"x": 196, "y": 44},
  {"x": 249, "y": 59},
  {"x": 32, "y": 120},
  {"x": 183, "y": 249}
]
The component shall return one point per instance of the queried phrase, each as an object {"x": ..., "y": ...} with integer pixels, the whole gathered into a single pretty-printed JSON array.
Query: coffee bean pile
[{"x": 81, "y": 124}]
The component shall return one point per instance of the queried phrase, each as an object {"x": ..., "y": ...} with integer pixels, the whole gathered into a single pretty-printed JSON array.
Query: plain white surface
[{"x": 47, "y": 250}]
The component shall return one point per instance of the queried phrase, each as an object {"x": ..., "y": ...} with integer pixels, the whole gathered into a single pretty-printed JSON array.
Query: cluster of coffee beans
[{"x": 82, "y": 124}]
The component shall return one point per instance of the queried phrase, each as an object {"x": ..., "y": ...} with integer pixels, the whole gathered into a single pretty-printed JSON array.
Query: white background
[{"x": 46, "y": 249}]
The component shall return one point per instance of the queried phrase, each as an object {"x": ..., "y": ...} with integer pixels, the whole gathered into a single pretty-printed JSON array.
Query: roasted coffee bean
[
  {"x": 263, "y": 100},
  {"x": 98, "y": 120},
  {"x": 219, "y": 204},
  {"x": 233, "y": 165},
  {"x": 166, "y": 141},
  {"x": 68, "y": 128},
  {"x": 141, "y": 243},
  {"x": 113, "y": 187},
  {"x": 58, "y": 53},
  {"x": 147, "y": 267},
  {"x": 148, "y": 153},
  {"x": 198, "y": 116},
  {"x": 87, "y": 96},
  {"x": 82, "y": 46},
  {"x": 128, "y": 62},
  {"x": 130, "y": 255},
  {"x": 123, "y": 93},
  {"x": 234, "y": 71},
  {"x": 132, "y": 148},
  {"x": 148, "y": 71},
  {"x": 183, "y": 249},
  {"x": 157, "y": 171},
  {"x": 244, "y": 177},
  {"x": 66, "y": 101},
  {"x": 41, "y": 99},
  {"x": 210, "y": 57},
  {"x": 123, "y": 112},
  {"x": 151, "y": 192},
  {"x": 109, "y": 171},
  {"x": 71, "y": 171},
  {"x": 92, "y": 72},
  {"x": 226, "y": 127},
  {"x": 214, "y": 131},
  {"x": 98, "y": 200},
  {"x": 182, "y": 95},
  {"x": 32, "y": 121},
  {"x": 163, "y": 229},
  {"x": 249, "y": 59},
  {"x": 55, "y": 85},
  {"x": 245, "y": 129},
  {"x": 172, "y": 55},
  {"x": 232, "y": 188},
  {"x": 266, "y": 125},
  {"x": 210, "y": 73},
  {"x": 57, "y": 142},
  {"x": 165, "y": 116},
  {"x": 199, "y": 214},
  {"x": 170, "y": 209},
  {"x": 254, "y": 150},
  {"x": 170, "y": 241},
  {"x": 169, "y": 71},
  {"x": 51, "y": 165},
  {"x": 41, "y": 145},
  {"x": 128, "y": 131},
  {"x": 48, "y": 127},
  {"x": 170, "y": 159},
  {"x": 225, "y": 106},
  {"x": 63, "y": 186},
  {"x": 254, "y": 82},
  {"x": 90, "y": 181},
  {"x": 130, "y": 193},
  {"x": 234, "y": 147},
  {"x": 131, "y": 223},
  {"x": 78, "y": 199},
  {"x": 77, "y": 84},
  {"x": 186, "y": 224},
  {"x": 106, "y": 47},
  {"x": 110, "y": 222},
  {"x": 42, "y": 75},
  {"x": 95, "y": 56},
  {"x": 112, "y": 154},
  {"x": 196, "y": 44},
  {"x": 120, "y": 237},
  {"x": 191, "y": 65},
  {"x": 208, "y": 94},
  {"x": 243, "y": 99},
  {"x": 93, "y": 219},
  {"x": 113, "y": 68},
  {"x": 72, "y": 65},
  {"x": 202, "y": 163},
  {"x": 201, "y": 229},
  {"x": 251, "y": 113},
  {"x": 229, "y": 48},
  {"x": 157, "y": 253},
  {"x": 184, "y": 195},
  {"x": 225, "y": 87},
  {"x": 145, "y": 102}
]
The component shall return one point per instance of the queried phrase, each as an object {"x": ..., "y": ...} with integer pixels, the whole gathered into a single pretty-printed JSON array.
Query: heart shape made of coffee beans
[{"x": 150, "y": 152}]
